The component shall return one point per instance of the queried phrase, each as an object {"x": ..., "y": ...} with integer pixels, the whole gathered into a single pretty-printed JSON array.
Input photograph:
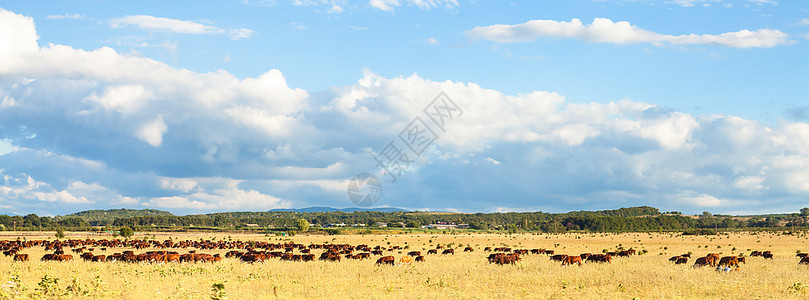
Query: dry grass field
[{"x": 460, "y": 276}]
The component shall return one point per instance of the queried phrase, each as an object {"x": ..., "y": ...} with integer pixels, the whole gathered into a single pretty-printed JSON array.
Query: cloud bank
[{"x": 85, "y": 129}]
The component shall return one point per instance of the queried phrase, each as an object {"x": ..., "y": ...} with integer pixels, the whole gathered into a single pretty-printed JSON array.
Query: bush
[
  {"x": 700, "y": 232},
  {"x": 126, "y": 232},
  {"x": 302, "y": 225}
]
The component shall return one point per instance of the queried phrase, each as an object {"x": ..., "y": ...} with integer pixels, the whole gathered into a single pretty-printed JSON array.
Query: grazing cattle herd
[{"x": 258, "y": 252}]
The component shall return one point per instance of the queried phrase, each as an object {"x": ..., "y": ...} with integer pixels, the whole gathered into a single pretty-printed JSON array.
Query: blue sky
[{"x": 685, "y": 105}]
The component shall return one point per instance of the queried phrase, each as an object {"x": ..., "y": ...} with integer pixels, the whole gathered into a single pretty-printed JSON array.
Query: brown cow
[
  {"x": 432, "y": 251},
  {"x": 468, "y": 249},
  {"x": 172, "y": 258},
  {"x": 767, "y": 255},
  {"x": 99, "y": 258},
  {"x": 559, "y": 257},
  {"x": 390, "y": 260},
  {"x": 571, "y": 260},
  {"x": 331, "y": 258},
  {"x": 87, "y": 256},
  {"x": 247, "y": 257},
  {"x": 712, "y": 259},
  {"x": 729, "y": 261},
  {"x": 63, "y": 257},
  {"x": 448, "y": 251},
  {"x": 681, "y": 260},
  {"x": 420, "y": 258},
  {"x": 804, "y": 261},
  {"x": 414, "y": 253},
  {"x": 20, "y": 257},
  {"x": 601, "y": 258},
  {"x": 502, "y": 258},
  {"x": 701, "y": 262}
]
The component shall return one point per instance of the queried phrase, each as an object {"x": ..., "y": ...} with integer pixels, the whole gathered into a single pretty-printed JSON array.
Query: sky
[{"x": 462, "y": 106}]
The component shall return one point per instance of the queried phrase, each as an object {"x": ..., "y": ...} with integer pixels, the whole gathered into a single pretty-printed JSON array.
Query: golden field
[{"x": 460, "y": 276}]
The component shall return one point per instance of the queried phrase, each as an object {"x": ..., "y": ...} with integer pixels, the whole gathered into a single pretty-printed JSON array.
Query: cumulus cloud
[
  {"x": 100, "y": 129},
  {"x": 603, "y": 30},
  {"x": 225, "y": 194},
  {"x": 178, "y": 26}
]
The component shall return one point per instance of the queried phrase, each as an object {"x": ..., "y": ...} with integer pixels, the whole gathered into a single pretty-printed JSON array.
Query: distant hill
[
  {"x": 92, "y": 216},
  {"x": 332, "y": 209}
]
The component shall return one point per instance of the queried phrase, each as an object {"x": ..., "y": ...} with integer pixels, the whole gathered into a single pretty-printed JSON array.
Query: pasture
[{"x": 467, "y": 275}]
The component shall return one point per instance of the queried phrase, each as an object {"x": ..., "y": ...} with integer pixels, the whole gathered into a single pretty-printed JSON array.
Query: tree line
[{"x": 631, "y": 219}]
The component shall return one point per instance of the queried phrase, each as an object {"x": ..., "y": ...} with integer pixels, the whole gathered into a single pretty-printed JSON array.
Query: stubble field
[{"x": 464, "y": 275}]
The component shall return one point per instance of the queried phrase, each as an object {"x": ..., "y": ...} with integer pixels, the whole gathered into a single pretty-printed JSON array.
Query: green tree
[
  {"x": 60, "y": 234},
  {"x": 126, "y": 232},
  {"x": 805, "y": 211},
  {"x": 302, "y": 225}
]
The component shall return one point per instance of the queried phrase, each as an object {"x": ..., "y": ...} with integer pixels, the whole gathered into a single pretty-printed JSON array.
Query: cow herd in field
[
  {"x": 258, "y": 252},
  {"x": 714, "y": 259}
]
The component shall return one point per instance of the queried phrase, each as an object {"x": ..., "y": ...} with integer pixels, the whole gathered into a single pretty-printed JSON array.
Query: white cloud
[
  {"x": 385, "y": 5},
  {"x": 603, "y": 30},
  {"x": 389, "y": 5},
  {"x": 803, "y": 22},
  {"x": 7, "y": 102},
  {"x": 184, "y": 185},
  {"x": 760, "y": 2},
  {"x": 178, "y": 26},
  {"x": 335, "y": 9},
  {"x": 160, "y": 23},
  {"x": 152, "y": 132},
  {"x": 6, "y": 147},
  {"x": 334, "y": 6},
  {"x": 60, "y": 196},
  {"x": 241, "y": 33},
  {"x": 17, "y": 34},
  {"x": 227, "y": 197},
  {"x": 124, "y": 99},
  {"x": 701, "y": 200},
  {"x": 65, "y": 16}
]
